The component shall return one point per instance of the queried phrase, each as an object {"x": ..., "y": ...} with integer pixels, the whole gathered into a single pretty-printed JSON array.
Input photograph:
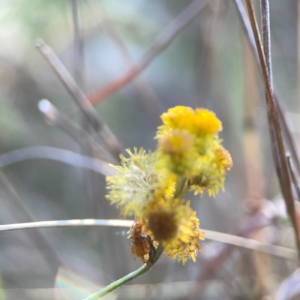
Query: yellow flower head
[
  {"x": 210, "y": 171},
  {"x": 151, "y": 185},
  {"x": 206, "y": 122},
  {"x": 177, "y": 152},
  {"x": 186, "y": 244},
  {"x": 199, "y": 122},
  {"x": 176, "y": 226},
  {"x": 176, "y": 142},
  {"x": 136, "y": 181},
  {"x": 179, "y": 117},
  {"x": 222, "y": 158}
]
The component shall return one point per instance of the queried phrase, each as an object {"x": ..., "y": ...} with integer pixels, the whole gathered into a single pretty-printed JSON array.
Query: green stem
[{"x": 114, "y": 285}]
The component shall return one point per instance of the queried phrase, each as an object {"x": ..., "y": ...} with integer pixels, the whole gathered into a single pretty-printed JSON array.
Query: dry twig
[
  {"x": 147, "y": 95},
  {"x": 78, "y": 44},
  {"x": 56, "y": 154},
  {"x": 56, "y": 118},
  {"x": 275, "y": 132},
  {"x": 281, "y": 111},
  {"x": 210, "y": 235},
  {"x": 82, "y": 101},
  {"x": 162, "y": 42},
  {"x": 257, "y": 221},
  {"x": 293, "y": 176},
  {"x": 16, "y": 208}
]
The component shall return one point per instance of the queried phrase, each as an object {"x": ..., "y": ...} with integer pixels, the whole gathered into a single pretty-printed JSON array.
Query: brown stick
[
  {"x": 56, "y": 118},
  {"x": 20, "y": 212},
  {"x": 162, "y": 42},
  {"x": 293, "y": 176},
  {"x": 211, "y": 266},
  {"x": 146, "y": 93},
  {"x": 275, "y": 132},
  {"x": 82, "y": 101},
  {"x": 281, "y": 111}
]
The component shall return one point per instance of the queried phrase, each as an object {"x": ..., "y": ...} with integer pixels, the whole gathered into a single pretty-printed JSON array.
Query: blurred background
[{"x": 208, "y": 64}]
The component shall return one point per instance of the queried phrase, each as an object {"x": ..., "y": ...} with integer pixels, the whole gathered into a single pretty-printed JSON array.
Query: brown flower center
[{"x": 163, "y": 225}]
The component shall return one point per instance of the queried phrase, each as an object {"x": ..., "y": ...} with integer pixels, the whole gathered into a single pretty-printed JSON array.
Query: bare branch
[
  {"x": 82, "y": 101},
  {"x": 212, "y": 265},
  {"x": 281, "y": 111},
  {"x": 266, "y": 36},
  {"x": 16, "y": 208},
  {"x": 210, "y": 235},
  {"x": 251, "y": 244},
  {"x": 57, "y": 118},
  {"x": 293, "y": 176},
  {"x": 67, "y": 223},
  {"x": 78, "y": 44},
  {"x": 275, "y": 132},
  {"x": 146, "y": 93},
  {"x": 56, "y": 154},
  {"x": 70, "y": 84},
  {"x": 161, "y": 43}
]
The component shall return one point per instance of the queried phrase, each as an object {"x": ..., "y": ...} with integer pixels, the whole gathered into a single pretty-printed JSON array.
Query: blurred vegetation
[{"x": 208, "y": 65}]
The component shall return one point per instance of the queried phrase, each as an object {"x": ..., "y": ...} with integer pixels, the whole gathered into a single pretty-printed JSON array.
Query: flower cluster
[{"x": 151, "y": 185}]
